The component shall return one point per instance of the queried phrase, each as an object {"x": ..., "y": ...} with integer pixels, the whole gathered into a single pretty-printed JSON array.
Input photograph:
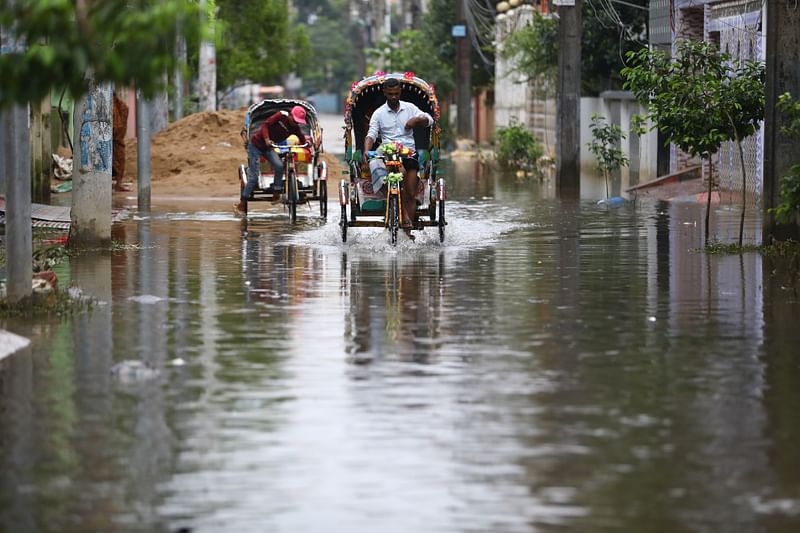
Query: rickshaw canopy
[
  {"x": 366, "y": 96},
  {"x": 261, "y": 111}
]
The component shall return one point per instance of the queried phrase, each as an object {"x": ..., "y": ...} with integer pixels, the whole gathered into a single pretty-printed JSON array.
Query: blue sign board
[{"x": 459, "y": 30}]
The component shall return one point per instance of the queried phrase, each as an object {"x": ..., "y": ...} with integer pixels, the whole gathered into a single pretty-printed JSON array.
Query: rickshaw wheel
[
  {"x": 394, "y": 219},
  {"x": 429, "y": 172},
  {"x": 441, "y": 221},
  {"x": 343, "y": 223},
  {"x": 323, "y": 198},
  {"x": 355, "y": 175},
  {"x": 292, "y": 199}
]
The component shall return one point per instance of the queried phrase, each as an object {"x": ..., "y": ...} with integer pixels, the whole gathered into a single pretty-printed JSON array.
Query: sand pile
[
  {"x": 196, "y": 156},
  {"x": 200, "y": 155}
]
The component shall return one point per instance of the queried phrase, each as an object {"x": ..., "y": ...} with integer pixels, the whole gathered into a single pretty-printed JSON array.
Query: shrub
[{"x": 517, "y": 148}]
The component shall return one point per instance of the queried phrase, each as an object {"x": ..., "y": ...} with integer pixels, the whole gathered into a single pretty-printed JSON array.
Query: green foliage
[
  {"x": 638, "y": 124},
  {"x": 698, "y": 99},
  {"x": 788, "y": 249},
  {"x": 720, "y": 248},
  {"x": 605, "y": 139},
  {"x": 603, "y": 45},
  {"x": 791, "y": 108},
  {"x": 790, "y": 183},
  {"x": 128, "y": 42},
  {"x": 331, "y": 66},
  {"x": 257, "y": 43},
  {"x": 779, "y": 250},
  {"x": 46, "y": 257},
  {"x": 533, "y": 50},
  {"x": 517, "y": 148},
  {"x": 409, "y": 51},
  {"x": 790, "y": 196}
]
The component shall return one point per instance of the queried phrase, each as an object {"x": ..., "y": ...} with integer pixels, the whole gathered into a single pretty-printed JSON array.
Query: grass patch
[
  {"x": 781, "y": 249},
  {"x": 723, "y": 248},
  {"x": 117, "y": 246}
]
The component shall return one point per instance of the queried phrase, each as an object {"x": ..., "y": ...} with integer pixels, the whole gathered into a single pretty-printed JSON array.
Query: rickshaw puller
[
  {"x": 277, "y": 128},
  {"x": 394, "y": 121}
]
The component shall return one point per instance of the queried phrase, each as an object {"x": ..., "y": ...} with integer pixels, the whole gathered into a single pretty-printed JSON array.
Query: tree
[
  {"x": 82, "y": 44},
  {"x": 257, "y": 42},
  {"x": 533, "y": 50},
  {"x": 409, "y": 51},
  {"x": 126, "y": 42},
  {"x": 331, "y": 66},
  {"x": 605, "y": 138},
  {"x": 608, "y": 34},
  {"x": 790, "y": 183},
  {"x": 698, "y": 99},
  {"x": 517, "y": 148}
]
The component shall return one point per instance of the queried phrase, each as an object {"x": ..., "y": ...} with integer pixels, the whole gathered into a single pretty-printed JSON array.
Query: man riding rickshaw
[
  {"x": 286, "y": 134},
  {"x": 394, "y": 118}
]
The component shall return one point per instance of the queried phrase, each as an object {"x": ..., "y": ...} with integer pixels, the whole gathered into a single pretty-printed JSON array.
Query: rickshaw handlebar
[{"x": 287, "y": 148}]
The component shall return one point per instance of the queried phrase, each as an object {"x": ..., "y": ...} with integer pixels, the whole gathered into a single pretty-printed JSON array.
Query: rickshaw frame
[
  {"x": 365, "y": 96},
  {"x": 310, "y": 185}
]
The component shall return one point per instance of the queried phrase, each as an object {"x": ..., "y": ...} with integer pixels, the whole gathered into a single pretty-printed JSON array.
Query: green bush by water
[{"x": 517, "y": 148}]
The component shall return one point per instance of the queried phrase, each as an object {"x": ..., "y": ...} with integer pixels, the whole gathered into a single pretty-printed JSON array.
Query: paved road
[{"x": 332, "y": 132}]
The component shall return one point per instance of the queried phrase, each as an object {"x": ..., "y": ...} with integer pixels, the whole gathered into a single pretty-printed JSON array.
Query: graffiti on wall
[{"x": 96, "y": 131}]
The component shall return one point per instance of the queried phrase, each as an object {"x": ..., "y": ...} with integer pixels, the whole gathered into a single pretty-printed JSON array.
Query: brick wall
[{"x": 689, "y": 25}]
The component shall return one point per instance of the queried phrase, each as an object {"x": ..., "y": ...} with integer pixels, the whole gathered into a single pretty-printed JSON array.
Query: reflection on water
[
  {"x": 554, "y": 366},
  {"x": 395, "y": 306}
]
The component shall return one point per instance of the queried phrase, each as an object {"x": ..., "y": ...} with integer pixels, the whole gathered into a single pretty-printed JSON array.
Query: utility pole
[
  {"x": 359, "y": 23},
  {"x": 180, "y": 52},
  {"x": 463, "y": 73},
  {"x": 159, "y": 110},
  {"x": 16, "y": 168},
  {"x": 142, "y": 151},
  {"x": 783, "y": 74},
  {"x": 568, "y": 99},
  {"x": 90, "y": 216},
  {"x": 207, "y": 69}
]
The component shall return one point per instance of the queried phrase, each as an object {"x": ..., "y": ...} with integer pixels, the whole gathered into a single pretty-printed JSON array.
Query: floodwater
[{"x": 553, "y": 366}]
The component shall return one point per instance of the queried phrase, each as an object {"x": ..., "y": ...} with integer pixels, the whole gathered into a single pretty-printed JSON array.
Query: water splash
[{"x": 462, "y": 231}]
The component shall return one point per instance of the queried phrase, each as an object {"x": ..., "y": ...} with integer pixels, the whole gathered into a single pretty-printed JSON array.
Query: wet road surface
[{"x": 554, "y": 366}]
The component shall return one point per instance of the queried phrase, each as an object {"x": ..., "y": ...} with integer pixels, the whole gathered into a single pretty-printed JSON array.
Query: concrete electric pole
[
  {"x": 463, "y": 73},
  {"x": 783, "y": 75},
  {"x": 143, "y": 151},
  {"x": 15, "y": 166},
  {"x": 568, "y": 99},
  {"x": 207, "y": 68},
  {"x": 90, "y": 217}
]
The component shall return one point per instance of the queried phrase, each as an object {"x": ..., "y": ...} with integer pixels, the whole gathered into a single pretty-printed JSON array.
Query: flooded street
[{"x": 553, "y": 366}]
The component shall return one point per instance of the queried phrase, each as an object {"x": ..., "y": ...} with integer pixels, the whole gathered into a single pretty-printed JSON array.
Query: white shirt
[{"x": 390, "y": 125}]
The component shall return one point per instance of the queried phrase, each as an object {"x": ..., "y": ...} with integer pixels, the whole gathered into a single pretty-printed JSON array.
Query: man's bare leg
[{"x": 409, "y": 197}]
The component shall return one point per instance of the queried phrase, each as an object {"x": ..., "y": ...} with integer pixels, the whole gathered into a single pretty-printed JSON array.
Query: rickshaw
[
  {"x": 368, "y": 208},
  {"x": 305, "y": 174}
]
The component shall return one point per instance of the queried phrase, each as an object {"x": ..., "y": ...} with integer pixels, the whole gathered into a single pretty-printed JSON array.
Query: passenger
[
  {"x": 275, "y": 129},
  {"x": 394, "y": 121}
]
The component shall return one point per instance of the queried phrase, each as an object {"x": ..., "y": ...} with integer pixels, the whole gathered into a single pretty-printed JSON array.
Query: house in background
[{"x": 736, "y": 26}]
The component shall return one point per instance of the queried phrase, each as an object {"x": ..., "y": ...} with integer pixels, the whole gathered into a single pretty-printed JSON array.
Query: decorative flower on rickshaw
[
  {"x": 409, "y": 75},
  {"x": 393, "y": 148}
]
